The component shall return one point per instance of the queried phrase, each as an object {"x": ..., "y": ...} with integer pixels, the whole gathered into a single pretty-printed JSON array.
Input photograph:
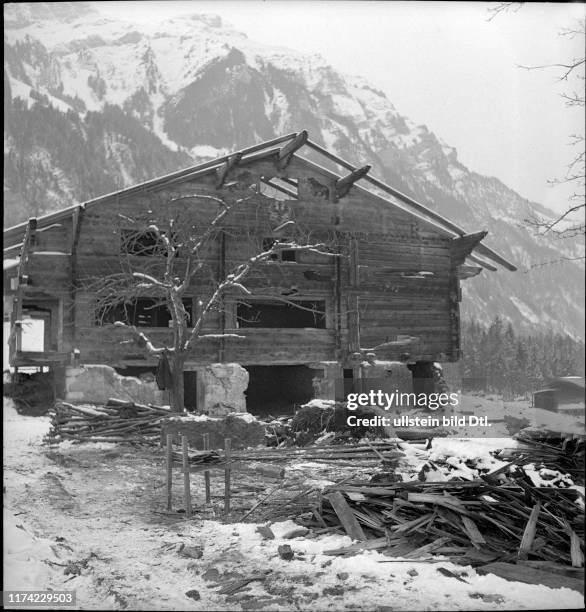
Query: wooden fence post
[
  {"x": 206, "y": 474},
  {"x": 186, "y": 482},
  {"x": 169, "y": 471},
  {"x": 228, "y": 454}
]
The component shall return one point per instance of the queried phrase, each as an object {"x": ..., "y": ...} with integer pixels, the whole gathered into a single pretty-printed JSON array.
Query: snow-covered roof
[{"x": 284, "y": 146}]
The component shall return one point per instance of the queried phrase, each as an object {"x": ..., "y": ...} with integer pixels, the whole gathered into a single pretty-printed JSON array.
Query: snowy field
[{"x": 91, "y": 518}]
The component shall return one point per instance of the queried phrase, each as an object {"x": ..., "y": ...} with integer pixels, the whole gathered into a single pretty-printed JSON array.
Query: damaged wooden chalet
[{"x": 388, "y": 290}]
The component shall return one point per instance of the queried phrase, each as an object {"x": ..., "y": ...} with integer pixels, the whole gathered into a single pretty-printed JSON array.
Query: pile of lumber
[
  {"x": 562, "y": 453},
  {"x": 117, "y": 421},
  {"x": 470, "y": 522}
]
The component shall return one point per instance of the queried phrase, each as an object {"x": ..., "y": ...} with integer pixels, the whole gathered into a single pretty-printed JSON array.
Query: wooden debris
[
  {"x": 531, "y": 575},
  {"x": 117, "y": 421},
  {"x": 346, "y": 516},
  {"x": 449, "y": 574},
  {"x": 529, "y": 533},
  {"x": 266, "y": 532},
  {"x": 472, "y": 521}
]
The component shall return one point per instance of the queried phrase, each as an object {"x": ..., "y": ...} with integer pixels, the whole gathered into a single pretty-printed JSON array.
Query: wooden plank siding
[{"x": 370, "y": 292}]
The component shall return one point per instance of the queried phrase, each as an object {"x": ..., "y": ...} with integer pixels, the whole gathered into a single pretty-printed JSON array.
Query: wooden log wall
[{"x": 395, "y": 275}]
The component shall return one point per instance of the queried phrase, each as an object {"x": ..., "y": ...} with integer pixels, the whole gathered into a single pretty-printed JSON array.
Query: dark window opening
[
  {"x": 142, "y": 312},
  {"x": 282, "y": 315},
  {"x": 284, "y": 255},
  {"x": 345, "y": 386},
  {"x": 142, "y": 243},
  {"x": 278, "y": 390}
]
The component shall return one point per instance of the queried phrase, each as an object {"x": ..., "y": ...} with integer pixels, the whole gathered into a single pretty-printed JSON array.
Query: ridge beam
[
  {"x": 344, "y": 184},
  {"x": 286, "y": 153},
  {"x": 223, "y": 171}
]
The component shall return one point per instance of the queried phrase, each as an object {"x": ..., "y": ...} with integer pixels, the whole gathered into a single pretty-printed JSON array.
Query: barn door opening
[{"x": 278, "y": 390}]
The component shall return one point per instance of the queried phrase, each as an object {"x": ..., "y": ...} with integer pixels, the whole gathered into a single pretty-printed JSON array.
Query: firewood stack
[{"x": 117, "y": 421}]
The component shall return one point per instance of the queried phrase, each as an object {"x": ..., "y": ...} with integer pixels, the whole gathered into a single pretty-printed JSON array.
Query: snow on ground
[{"x": 92, "y": 518}]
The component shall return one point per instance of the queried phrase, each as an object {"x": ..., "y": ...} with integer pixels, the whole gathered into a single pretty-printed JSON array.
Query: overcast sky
[{"x": 443, "y": 64}]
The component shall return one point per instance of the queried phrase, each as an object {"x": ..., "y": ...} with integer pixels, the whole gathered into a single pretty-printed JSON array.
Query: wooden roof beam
[
  {"x": 286, "y": 152},
  {"x": 344, "y": 184},
  {"x": 481, "y": 262},
  {"x": 223, "y": 171},
  {"x": 462, "y": 246}
]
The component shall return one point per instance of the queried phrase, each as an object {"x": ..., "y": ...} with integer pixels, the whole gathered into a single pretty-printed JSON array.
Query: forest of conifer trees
[{"x": 497, "y": 360}]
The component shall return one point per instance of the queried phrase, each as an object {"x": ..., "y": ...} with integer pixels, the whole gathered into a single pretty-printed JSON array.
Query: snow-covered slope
[{"x": 132, "y": 102}]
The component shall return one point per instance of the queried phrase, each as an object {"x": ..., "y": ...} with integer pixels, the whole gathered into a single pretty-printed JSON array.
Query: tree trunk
[{"x": 177, "y": 391}]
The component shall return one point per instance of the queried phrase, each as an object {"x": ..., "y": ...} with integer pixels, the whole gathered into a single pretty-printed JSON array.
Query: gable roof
[{"x": 282, "y": 147}]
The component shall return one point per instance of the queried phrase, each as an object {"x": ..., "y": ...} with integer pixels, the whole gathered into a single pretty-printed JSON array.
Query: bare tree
[
  {"x": 571, "y": 221},
  {"x": 166, "y": 259}
]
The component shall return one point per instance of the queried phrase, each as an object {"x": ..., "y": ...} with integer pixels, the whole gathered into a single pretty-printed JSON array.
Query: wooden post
[
  {"x": 228, "y": 453},
  {"x": 186, "y": 483},
  {"x": 206, "y": 474},
  {"x": 169, "y": 470}
]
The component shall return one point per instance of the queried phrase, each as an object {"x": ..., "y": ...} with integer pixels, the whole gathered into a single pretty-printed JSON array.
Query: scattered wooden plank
[
  {"x": 529, "y": 533},
  {"x": 346, "y": 516},
  {"x": 531, "y": 575},
  {"x": 424, "y": 550},
  {"x": 576, "y": 553},
  {"x": 556, "y": 568},
  {"x": 472, "y": 530}
]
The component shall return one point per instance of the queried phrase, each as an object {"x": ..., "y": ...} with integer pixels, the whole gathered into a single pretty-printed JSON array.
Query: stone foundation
[
  {"x": 95, "y": 384},
  {"x": 224, "y": 385}
]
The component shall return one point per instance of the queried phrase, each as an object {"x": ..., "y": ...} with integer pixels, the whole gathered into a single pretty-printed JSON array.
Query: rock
[
  {"x": 193, "y": 552},
  {"x": 193, "y": 594},
  {"x": 488, "y": 597},
  {"x": 211, "y": 574},
  {"x": 342, "y": 576},
  {"x": 413, "y": 572},
  {"x": 333, "y": 591},
  {"x": 242, "y": 428},
  {"x": 285, "y": 552},
  {"x": 295, "y": 533},
  {"x": 266, "y": 532}
]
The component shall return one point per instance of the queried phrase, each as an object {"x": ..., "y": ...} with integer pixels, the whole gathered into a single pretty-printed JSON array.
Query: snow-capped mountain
[{"x": 93, "y": 104}]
